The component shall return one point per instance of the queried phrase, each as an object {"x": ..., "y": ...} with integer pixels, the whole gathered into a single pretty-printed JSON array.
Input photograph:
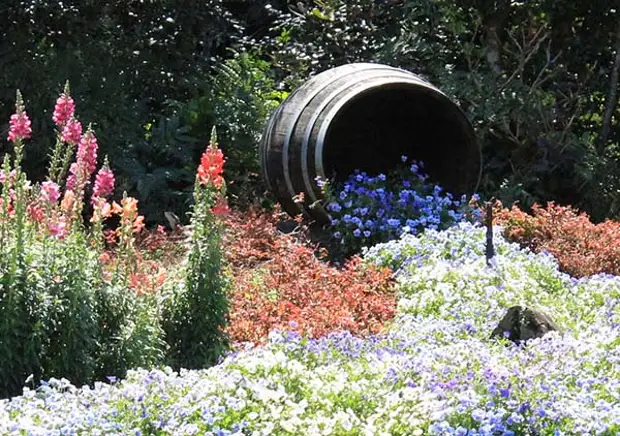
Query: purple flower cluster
[{"x": 367, "y": 210}]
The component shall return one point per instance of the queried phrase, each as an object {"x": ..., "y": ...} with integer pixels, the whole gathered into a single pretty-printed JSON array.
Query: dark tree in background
[
  {"x": 126, "y": 61},
  {"x": 537, "y": 78}
]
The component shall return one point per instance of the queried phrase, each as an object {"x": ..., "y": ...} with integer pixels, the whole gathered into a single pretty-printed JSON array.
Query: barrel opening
[{"x": 375, "y": 128}]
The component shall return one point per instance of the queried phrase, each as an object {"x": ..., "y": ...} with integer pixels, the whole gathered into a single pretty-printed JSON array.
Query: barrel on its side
[{"x": 364, "y": 116}]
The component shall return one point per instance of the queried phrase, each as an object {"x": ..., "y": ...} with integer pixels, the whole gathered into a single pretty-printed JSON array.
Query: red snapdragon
[{"x": 211, "y": 167}]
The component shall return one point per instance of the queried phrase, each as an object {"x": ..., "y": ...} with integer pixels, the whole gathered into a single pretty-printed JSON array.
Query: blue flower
[
  {"x": 357, "y": 233},
  {"x": 334, "y": 207},
  {"x": 412, "y": 223},
  {"x": 478, "y": 415},
  {"x": 393, "y": 222}
]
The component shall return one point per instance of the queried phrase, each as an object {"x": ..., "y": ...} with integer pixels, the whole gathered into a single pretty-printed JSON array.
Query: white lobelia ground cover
[{"x": 435, "y": 372}]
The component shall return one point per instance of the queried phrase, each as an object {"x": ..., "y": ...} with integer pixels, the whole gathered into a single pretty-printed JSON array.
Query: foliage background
[{"x": 538, "y": 79}]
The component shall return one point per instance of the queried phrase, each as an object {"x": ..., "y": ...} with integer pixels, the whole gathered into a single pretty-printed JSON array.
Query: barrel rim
[
  {"x": 349, "y": 70},
  {"x": 311, "y": 124}
]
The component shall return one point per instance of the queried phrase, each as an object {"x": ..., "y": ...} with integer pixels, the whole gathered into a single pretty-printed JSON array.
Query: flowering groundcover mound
[{"x": 435, "y": 372}]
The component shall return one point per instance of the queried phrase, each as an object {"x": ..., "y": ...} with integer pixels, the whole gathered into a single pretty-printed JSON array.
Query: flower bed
[
  {"x": 435, "y": 372},
  {"x": 366, "y": 210}
]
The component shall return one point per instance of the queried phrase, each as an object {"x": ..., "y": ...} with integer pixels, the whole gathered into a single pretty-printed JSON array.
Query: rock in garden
[
  {"x": 521, "y": 324},
  {"x": 287, "y": 227}
]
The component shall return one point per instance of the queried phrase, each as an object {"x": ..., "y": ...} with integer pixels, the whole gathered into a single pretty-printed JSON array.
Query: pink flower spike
[
  {"x": 64, "y": 109},
  {"x": 87, "y": 153},
  {"x": 10, "y": 178},
  {"x": 104, "y": 182},
  {"x": 72, "y": 131},
  {"x": 72, "y": 177},
  {"x": 58, "y": 228},
  {"x": 50, "y": 191},
  {"x": 20, "y": 127}
]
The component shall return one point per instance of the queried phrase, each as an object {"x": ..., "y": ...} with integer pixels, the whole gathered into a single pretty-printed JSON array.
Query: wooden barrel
[{"x": 364, "y": 116}]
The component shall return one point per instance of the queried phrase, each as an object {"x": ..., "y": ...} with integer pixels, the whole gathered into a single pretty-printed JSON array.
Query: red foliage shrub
[
  {"x": 280, "y": 283},
  {"x": 581, "y": 247}
]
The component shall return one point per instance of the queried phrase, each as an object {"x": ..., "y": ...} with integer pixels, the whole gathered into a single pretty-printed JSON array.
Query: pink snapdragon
[
  {"x": 10, "y": 178},
  {"x": 19, "y": 125},
  {"x": 87, "y": 153},
  {"x": 64, "y": 109},
  {"x": 50, "y": 191},
  {"x": 86, "y": 160},
  {"x": 72, "y": 177},
  {"x": 58, "y": 227},
  {"x": 72, "y": 131},
  {"x": 104, "y": 182}
]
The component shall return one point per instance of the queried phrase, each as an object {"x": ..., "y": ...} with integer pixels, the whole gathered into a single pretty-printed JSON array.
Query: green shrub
[
  {"x": 129, "y": 334},
  {"x": 62, "y": 314}
]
